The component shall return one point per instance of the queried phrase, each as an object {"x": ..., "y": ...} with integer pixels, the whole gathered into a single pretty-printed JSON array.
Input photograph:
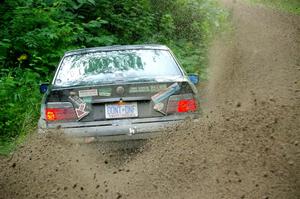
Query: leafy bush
[
  {"x": 55, "y": 26},
  {"x": 19, "y": 99}
]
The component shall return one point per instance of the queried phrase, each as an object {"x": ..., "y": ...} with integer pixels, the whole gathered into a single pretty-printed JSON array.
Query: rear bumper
[{"x": 119, "y": 129}]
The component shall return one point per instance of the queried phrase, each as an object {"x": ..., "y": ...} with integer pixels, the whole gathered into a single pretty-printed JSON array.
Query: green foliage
[
  {"x": 194, "y": 23},
  {"x": 35, "y": 34},
  {"x": 20, "y": 88},
  {"x": 19, "y": 103},
  {"x": 52, "y": 27}
]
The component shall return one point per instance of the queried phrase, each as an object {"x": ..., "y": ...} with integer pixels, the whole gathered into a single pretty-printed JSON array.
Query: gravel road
[{"x": 246, "y": 144}]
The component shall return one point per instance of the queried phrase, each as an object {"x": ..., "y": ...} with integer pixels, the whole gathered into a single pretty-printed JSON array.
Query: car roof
[{"x": 116, "y": 47}]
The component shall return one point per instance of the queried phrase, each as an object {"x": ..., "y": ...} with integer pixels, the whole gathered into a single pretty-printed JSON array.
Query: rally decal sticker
[
  {"x": 164, "y": 94},
  {"x": 81, "y": 111},
  {"x": 104, "y": 92},
  {"x": 88, "y": 93}
]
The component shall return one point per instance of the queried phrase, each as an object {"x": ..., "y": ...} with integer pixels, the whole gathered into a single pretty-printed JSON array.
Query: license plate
[{"x": 121, "y": 110}]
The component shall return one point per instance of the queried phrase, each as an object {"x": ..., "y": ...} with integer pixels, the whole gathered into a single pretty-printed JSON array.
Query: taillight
[
  {"x": 53, "y": 114},
  {"x": 181, "y": 104},
  {"x": 186, "y": 105},
  {"x": 60, "y": 111}
]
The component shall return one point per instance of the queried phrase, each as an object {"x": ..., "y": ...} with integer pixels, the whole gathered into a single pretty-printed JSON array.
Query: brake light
[
  {"x": 50, "y": 115},
  {"x": 181, "y": 103},
  {"x": 54, "y": 114},
  {"x": 186, "y": 105}
]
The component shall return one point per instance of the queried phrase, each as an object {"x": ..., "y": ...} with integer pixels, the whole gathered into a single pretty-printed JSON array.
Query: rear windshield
[{"x": 111, "y": 66}]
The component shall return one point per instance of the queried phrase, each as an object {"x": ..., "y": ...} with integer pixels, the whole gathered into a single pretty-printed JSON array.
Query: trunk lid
[{"x": 92, "y": 103}]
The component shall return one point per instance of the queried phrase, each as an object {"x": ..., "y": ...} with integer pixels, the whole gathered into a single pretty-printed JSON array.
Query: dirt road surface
[{"x": 246, "y": 144}]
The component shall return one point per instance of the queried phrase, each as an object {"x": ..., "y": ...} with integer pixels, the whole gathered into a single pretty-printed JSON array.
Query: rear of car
[{"x": 118, "y": 93}]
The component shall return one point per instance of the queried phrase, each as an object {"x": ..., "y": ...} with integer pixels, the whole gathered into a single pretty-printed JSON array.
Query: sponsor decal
[
  {"x": 72, "y": 93},
  {"x": 87, "y": 100},
  {"x": 104, "y": 92},
  {"x": 88, "y": 93},
  {"x": 133, "y": 89},
  {"x": 81, "y": 111},
  {"x": 164, "y": 94},
  {"x": 158, "y": 87},
  {"x": 146, "y": 89}
]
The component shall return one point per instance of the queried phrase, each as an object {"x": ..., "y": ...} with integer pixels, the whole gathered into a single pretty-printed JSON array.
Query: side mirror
[
  {"x": 44, "y": 88},
  {"x": 194, "y": 78}
]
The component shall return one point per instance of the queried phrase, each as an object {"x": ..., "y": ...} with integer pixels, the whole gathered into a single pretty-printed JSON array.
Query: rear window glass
[{"x": 111, "y": 66}]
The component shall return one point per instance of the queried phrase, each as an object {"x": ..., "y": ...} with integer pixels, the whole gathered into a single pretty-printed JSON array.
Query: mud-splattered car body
[{"x": 118, "y": 93}]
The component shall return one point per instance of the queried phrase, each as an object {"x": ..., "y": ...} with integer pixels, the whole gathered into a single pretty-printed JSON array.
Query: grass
[
  {"x": 6, "y": 146},
  {"x": 9, "y": 145},
  {"x": 291, "y": 6}
]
